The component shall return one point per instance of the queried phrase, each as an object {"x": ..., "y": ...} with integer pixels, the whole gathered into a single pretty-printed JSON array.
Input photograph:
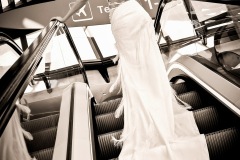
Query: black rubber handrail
[
  {"x": 15, "y": 80},
  {"x": 75, "y": 51},
  {"x": 5, "y": 39},
  {"x": 157, "y": 24}
]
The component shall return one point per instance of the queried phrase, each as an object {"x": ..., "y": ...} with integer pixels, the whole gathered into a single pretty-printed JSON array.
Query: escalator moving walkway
[{"x": 219, "y": 125}]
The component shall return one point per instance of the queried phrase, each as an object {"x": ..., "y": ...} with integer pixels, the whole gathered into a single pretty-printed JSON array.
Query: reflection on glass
[
  {"x": 229, "y": 60},
  {"x": 227, "y": 41},
  {"x": 175, "y": 22},
  {"x": 209, "y": 30}
]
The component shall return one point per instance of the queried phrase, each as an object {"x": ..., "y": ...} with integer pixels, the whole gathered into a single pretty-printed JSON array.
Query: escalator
[
  {"x": 217, "y": 119},
  {"x": 42, "y": 123},
  {"x": 45, "y": 107},
  {"x": 219, "y": 124},
  {"x": 43, "y": 130}
]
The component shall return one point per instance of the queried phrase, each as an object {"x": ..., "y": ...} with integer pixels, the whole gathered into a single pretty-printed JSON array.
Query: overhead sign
[
  {"x": 83, "y": 14},
  {"x": 95, "y": 12}
]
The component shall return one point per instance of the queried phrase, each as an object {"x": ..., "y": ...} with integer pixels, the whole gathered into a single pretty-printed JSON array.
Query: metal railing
[{"x": 15, "y": 81}]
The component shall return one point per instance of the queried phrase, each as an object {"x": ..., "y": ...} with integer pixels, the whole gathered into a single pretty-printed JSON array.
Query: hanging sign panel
[{"x": 95, "y": 12}]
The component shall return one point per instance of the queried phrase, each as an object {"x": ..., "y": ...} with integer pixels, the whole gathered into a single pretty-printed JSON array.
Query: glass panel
[
  {"x": 18, "y": 42},
  {"x": 81, "y": 41},
  {"x": 211, "y": 30},
  {"x": 207, "y": 10},
  {"x": 228, "y": 49},
  {"x": 32, "y": 36},
  {"x": 59, "y": 66},
  {"x": 7, "y": 58},
  {"x": 104, "y": 38},
  {"x": 227, "y": 38},
  {"x": 175, "y": 22},
  {"x": 176, "y": 30}
]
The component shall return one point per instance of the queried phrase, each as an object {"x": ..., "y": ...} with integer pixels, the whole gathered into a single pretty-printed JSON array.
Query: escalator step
[
  {"x": 44, "y": 114},
  {"x": 42, "y": 139},
  {"x": 211, "y": 119},
  {"x": 41, "y": 123},
  {"x": 108, "y": 123},
  {"x": 193, "y": 99},
  {"x": 108, "y": 106},
  {"x": 182, "y": 87},
  {"x": 224, "y": 144},
  {"x": 45, "y": 154},
  {"x": 107, "y": 148}
]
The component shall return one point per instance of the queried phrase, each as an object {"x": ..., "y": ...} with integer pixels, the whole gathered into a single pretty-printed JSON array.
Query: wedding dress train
[
  {"x": 155, "y": 125},
  {"x": 12, "y": 141}
]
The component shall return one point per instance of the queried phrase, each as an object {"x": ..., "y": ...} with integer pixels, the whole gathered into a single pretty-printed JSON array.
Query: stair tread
[
  {"x": 44, "y": 154},
  {"x": 106, "y": 107},
  {"x": 107, "y": 123},
  {"x": 106, "y": 145},
  {"x": 41, "y": 123},
  {"x": 223, "y": 144},
  {"x": 182, "y": 87},
  {"x": 212, "y": 118},
  {"x": 42, "y": 139},
  {"x": 193, "y": 98}
]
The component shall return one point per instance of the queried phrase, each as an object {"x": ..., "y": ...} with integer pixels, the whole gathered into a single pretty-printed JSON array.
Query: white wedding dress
[
  {"x": 12, "y": 142},
  {"x": 156, "y": 127}
]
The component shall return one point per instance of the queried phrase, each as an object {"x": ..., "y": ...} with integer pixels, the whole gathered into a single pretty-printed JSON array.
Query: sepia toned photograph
[{"x": 119, "y": 79}]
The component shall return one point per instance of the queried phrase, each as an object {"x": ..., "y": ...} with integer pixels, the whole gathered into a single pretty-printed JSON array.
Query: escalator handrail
[
  {"x": 75, "y": 51},
  {"x": 15, "y": 80},
  {"x": 157, "y": 24},
  {"x": 8, "y": 40}
]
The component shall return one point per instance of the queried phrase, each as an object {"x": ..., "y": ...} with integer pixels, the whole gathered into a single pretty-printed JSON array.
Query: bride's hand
[
  {"x": 116, "y": 87},
  {"x": 115, "y": 59}
]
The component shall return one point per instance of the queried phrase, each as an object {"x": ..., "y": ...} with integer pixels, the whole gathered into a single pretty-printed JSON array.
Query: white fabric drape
[
  {"x": 12, "y": 143},
  {"x": 155, "y": 126}
]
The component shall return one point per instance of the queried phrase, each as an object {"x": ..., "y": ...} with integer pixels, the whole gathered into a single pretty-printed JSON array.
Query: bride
[{"x": 155, "y": 126}]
